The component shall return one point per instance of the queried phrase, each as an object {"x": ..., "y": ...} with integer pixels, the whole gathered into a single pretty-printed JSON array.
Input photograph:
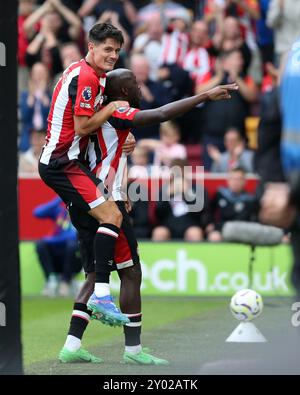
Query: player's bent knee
[
  {"x": 114, "y": 218},
  {"x": 112, "y": 214},
  {"x": 108, "y": 213}
]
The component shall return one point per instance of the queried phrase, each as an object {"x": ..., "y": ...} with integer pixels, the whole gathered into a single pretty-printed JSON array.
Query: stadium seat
[
  {"x": 194, "y": 154},
  {"x": 251, "y": 124},
  {"x": 32, "y": 192}
]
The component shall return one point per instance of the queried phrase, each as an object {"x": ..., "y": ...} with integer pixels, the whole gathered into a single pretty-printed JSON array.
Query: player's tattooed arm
[{"x": 180, "y": 107}]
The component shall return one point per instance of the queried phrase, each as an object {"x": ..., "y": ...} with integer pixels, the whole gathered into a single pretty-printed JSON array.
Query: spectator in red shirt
[
  {"x": 26, "y": 7},
  {"x": 197, "y": 61},
  {"x": 58, "y": 24}
]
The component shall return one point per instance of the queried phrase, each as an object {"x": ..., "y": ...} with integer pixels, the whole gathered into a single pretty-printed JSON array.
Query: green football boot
[
  {"x": 142, "y": 358},
  {"x": 80, "y": 355}
]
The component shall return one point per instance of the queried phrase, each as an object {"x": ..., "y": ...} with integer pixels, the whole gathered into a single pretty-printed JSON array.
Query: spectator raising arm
[
  {"x": 87, "y": 8},
  {"x": 54, "y": 6},
  {"x": 252, "y": 10},
  {"x": 214, "y": 12},
  {"x": 130, "y": 12},
  {"x": 44, "y": 39},
  {"x": 113, "y": 18},
  {"x": 214, "y": 81},
  {"x": 35, "y": 45},
  {"x": 248, "y": 91},
  {"x": 35, "y": 17},
  {"x": 69, "y": 16}
]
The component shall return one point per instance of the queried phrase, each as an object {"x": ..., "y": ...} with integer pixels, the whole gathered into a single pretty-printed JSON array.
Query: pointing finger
[{"x": 231, "y": 87}]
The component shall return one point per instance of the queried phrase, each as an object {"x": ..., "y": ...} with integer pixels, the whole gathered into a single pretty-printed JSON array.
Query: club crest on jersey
[
  {"x": 87, "y": 93},
  {"x": 98, "y": 101}
]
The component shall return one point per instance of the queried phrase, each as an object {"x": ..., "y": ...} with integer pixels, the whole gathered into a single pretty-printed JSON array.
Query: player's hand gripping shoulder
[
  {"x": 221, "y": 92},
  {"x": 129, "y": 145},
  {"x": 85, "y": 125},
  {"x": 115, "y": 105}
]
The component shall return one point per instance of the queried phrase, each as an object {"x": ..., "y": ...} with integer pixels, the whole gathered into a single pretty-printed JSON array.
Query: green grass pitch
[
  {"x": 45, "y": 324},
  {"x": 189, "y": 332}
]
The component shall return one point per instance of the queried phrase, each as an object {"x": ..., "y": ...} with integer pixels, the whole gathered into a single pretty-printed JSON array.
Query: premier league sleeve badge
[{"x": 87, "y": 93}]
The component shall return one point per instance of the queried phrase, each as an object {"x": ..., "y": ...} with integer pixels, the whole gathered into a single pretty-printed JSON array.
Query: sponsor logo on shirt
[
  {"x": 85, "y": 105},
  {"x": 130, "y": 111}
]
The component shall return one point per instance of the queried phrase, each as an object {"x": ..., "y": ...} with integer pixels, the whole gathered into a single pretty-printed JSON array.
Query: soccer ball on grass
[{"x": 246, "y": 305}]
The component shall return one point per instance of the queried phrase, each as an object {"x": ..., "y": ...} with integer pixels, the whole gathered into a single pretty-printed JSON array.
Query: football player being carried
[
  {"x": 74, "y": 114},
  {"x": 106, "y": 161}
]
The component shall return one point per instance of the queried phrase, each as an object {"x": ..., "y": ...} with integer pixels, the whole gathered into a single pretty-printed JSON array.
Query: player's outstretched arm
[
  {"x": 180, "y": 107},
  {"x": 85, "y": 125}
]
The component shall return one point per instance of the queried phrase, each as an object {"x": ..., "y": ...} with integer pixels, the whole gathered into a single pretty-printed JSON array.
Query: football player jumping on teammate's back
[{"x": 105, "y": 157}]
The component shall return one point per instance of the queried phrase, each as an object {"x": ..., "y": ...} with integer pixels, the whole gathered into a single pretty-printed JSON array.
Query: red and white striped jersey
[
  {"x": 104, "y": 154},
  {"x": 78, "y": 92},
  {"x": 197, "y": 62},
  {"x": 174, "y": 48}
]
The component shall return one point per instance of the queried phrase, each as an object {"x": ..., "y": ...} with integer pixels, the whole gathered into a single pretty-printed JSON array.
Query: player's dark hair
[{"x": 101, "y": 31}]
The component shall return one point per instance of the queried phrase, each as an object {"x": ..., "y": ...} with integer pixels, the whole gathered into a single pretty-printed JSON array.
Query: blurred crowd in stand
[{"x": 175, "y": 49}]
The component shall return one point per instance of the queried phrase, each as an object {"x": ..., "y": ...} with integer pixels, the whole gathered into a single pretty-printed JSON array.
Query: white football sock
[
  {"x": 72, "y": 343},
  {"x": 133, "y": 349},
  {"x": 102, "y": 289}
]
